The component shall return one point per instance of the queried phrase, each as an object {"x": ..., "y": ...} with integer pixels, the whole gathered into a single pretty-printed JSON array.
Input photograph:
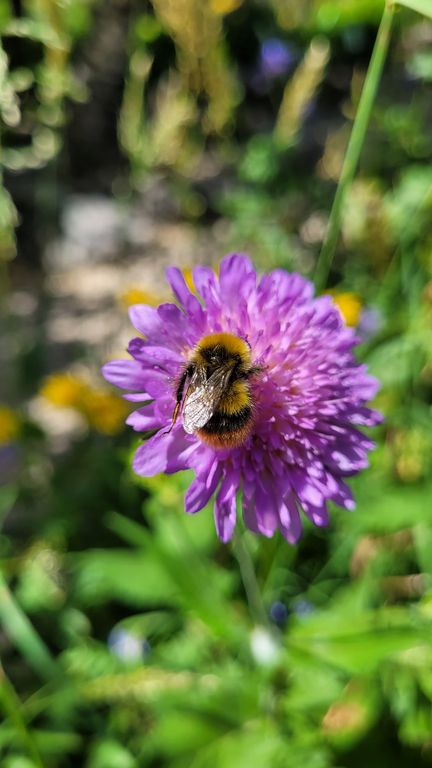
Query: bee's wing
[{"x": 203, "y": 397}]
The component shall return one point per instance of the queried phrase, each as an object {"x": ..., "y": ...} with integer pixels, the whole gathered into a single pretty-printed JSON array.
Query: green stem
[
  {"x": 249, "y": 579},
  {"x": 11, "y": 706},
  {"x": 355, "y": 145},
  {"x": 22, "y": 633}
]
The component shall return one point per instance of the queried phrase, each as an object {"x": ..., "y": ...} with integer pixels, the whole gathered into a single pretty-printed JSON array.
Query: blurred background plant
[{"x": 135, "y": 135}]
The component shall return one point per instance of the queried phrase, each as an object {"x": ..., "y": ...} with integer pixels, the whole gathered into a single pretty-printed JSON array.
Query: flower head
[{"x": 305, "y": 387}]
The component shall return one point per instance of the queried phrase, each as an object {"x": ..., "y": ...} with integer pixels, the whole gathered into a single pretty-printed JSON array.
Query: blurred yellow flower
[
  {"x": 130, "y": 296},
  {"x": 64, "y": 390},
  {"x": 224, "y": 6},
  {"x": 104, "y": 411},
  {"x": 9, "y": 425},
  {"x": 349, "y": 305}
]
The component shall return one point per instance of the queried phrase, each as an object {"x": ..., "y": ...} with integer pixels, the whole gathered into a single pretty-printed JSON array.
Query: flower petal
[
  {"x": 289, "y": 520},
  {"x": 237, "y": 278},
  {"x": 178, "y": 330},
  {"x": 225, "y": 506},
  {"x": 202, "y": 488},
  {"x": 125, "y": 374},
  {"x": 146, "y": 320},
  {"x": 151, "y": 457},
  {"x": 137, "y": 397},
  {"x": 265, "y": 517},
  {"x": 184, "y": 296},
  {"x": 150, "y": 355},
  {"x": 144, "y": 419},
  {"x": 207, "y": 286}
]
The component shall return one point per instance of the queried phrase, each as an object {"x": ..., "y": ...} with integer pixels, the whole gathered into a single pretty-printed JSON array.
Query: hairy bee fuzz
[{"x": 213, "y": 393}]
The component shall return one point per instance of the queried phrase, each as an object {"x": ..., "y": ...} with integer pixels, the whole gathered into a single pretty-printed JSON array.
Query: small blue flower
[{"x": 279, "y": 613}]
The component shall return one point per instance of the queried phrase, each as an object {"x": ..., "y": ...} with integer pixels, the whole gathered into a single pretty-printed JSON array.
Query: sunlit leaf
[{"x": 421, "y": 6}]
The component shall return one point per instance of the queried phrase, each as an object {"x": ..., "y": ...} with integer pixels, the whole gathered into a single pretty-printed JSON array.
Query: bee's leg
[
  {"x": 174, "y": 418},
  {"x": 252, "y": 371},
  {"x": 179, "y": 396}
]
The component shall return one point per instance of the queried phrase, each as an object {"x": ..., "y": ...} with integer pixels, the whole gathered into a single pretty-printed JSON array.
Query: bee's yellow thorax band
[
  {"x": 236, "y": 399},
  {"x": 233, "y": 344}
]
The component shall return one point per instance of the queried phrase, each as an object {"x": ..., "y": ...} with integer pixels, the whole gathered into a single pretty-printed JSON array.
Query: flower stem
[
  {"x": 249, "y": 579},
  {"x": 355, "y": 145}
]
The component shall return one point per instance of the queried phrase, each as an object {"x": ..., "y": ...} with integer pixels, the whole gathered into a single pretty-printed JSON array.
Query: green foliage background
[{"x": 332, "y": 668}]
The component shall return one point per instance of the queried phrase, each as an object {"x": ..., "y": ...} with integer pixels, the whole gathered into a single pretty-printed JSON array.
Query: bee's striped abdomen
[{"x": 227, "y": 430}]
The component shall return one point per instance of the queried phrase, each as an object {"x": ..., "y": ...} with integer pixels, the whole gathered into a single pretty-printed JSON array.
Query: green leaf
[
  {"x": 134, "y": 578},
  {"x": 182, "y": 732},
  {"x": 421, "y": 6},
  {"x": 19, "y": 761},
  {"x": 397, "y": 362},
  {"x": 393, "y": 509},
  {"x": 423, "y": 546},
  {"x": 258, "y": 743},
  {"x": 359, "y": 642},
  {"x": 36, "y": 30},
  {"x": 200, "y": 585},
  {"x": 364, "y": 653},
  {"x": 56, "y": 742},
  {"x": 110, "y": 754},
  {"x": 417, "y": 727}
]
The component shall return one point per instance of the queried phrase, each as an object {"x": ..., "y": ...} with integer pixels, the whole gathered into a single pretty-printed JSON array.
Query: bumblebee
[{"x": 213, "y": 392}]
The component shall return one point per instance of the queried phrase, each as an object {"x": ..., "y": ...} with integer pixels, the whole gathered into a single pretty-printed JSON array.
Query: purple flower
[
  {"x": 276, "y": 58},
  {"x": 308, "y": 395}
]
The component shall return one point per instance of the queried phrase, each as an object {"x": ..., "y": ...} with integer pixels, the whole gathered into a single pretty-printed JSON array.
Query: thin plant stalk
[
  {"x": 250, "y": 583},
  {"x": 11, "y": 706},
  {"x": 355, "y": 145}
]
